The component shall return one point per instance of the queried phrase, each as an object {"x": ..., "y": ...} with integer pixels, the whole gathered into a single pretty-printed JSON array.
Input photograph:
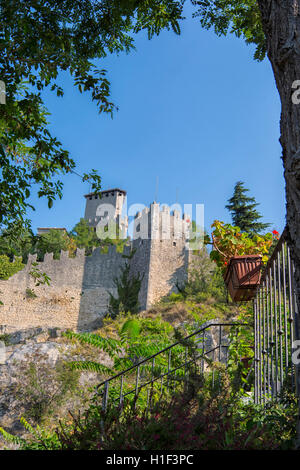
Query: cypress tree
[{"x": 243, "y": 211}]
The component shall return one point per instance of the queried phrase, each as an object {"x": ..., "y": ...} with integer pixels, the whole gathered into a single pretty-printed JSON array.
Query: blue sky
[{"x": 195, "y": 110}]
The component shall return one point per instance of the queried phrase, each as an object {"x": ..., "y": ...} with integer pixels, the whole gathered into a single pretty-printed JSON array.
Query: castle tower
[
  {"x": 161, "y": 253},
  {"x": 107, "y": 205}
]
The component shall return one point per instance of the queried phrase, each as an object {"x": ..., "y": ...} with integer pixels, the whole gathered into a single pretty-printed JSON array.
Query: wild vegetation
[
  {"x": 14, "y": 250},
  {"x": 200, "y": 418},
  {"x": 222, "y": 417}
]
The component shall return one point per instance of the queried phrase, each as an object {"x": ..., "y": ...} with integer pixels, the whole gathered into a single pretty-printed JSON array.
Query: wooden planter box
[{"x": 242, "y": 277}]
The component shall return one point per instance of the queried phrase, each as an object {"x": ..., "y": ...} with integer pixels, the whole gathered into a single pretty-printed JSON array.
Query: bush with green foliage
[
  {"x": 194, "y": 420},
  {"x": 54, "y": 242},
  {"x": 128, "y": 288},
  {"x": 200, "y": 273},
  {"x": 17, "y": 241},
  {"x": 204, "y": 280},
  {"x": 137, "y": 338},
  {"x": 240, "y": 364},
  {"x": 44, "y": 388},
  {"x": 9, "y": 268}
]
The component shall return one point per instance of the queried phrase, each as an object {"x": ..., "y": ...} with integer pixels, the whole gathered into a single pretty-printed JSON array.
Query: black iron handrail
[
  {"x": 170, "y": 371},
  {"x": 167, "y": 348}
]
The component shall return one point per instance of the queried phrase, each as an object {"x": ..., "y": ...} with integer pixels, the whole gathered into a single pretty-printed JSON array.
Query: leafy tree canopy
[
  {"x": 38, "y": 40},
  {"x": 85, "y": 236},
  {"x": 239, "y": 17},
  {"x": 243, "y": 212},
  {"x": 53, "y": 242},
  {"x": 17, "y": 241}
]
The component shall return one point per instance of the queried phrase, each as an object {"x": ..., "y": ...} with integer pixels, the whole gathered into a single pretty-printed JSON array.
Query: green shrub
[
  {"x": 5, "y": 339},
  {"x": 131, "y": 328},
  {"x": 128, "y": 288},
  {"x": 44, "y": 388},
  {"x": 173, "y": 298},
  {"x": 30, "y": 294},
  {"x": 189, "y": 421},
  {"x": 9, "y": 268}
]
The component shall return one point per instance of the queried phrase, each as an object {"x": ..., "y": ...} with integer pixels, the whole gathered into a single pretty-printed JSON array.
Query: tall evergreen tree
[{"x": 243, "y": 210}]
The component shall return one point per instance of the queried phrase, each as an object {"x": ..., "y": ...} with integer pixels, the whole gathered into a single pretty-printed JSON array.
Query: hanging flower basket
[{"x": 242, "y": 276}]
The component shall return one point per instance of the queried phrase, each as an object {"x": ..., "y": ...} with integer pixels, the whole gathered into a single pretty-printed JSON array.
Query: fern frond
[
  {"x": 29, "y": 428},
  {"x": 109, "y": 345},
  {"x": 10, "y": 438},
  {"x": 91, "y": 366},
  {"x": 122, "y": 363}
]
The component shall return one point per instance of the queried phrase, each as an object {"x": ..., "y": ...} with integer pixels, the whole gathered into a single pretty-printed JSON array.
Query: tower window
[
  {"x": 138, "y": 228},
  {"x": 174, "y": 243}
]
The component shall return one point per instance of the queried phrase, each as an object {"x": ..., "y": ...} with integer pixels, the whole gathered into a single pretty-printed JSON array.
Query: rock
[
  {"x": 23, "y": 335},
  {"x": 45, "y": 355}
]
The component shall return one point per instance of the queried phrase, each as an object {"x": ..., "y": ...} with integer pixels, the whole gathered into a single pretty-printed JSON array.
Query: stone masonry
[{"x": 78, "y": 295}]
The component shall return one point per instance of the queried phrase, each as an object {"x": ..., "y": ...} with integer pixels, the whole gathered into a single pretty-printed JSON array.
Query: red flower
[{"x": 275, "y": 232}]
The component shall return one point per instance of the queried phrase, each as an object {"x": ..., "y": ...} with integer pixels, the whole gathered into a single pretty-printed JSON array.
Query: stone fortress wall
[{"x": 78, "y": 295}]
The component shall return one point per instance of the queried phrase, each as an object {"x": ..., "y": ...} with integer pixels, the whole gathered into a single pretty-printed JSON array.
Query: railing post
[
  {"x": 291, "y": 310},
  {"x": 296, "y": 329},
  {"x": 137, "y": 383},
  {"x": 105, "y": 396},
  {"x": 276, "y": 324},
  {"x": 121, "y": 390},
  {"x": 264, "y": 350},
  {"x": 255, "y": 352}
]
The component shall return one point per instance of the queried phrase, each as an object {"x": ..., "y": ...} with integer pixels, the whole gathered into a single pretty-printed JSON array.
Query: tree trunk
[{"x": 281, "y": 24}]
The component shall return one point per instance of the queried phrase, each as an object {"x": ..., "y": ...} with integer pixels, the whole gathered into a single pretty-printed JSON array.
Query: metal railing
[
  {"x": 276, "y": 326},
  {"x": 170, "y": 369}
]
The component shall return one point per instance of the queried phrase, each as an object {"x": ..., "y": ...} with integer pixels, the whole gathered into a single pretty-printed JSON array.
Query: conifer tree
[{"x": 243, "y": 210}]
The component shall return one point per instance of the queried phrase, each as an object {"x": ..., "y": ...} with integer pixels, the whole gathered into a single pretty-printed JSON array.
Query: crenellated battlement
[
  {"x": 81, "y": 284},
  {"x": 79, "y": 253},
  {"x": 160, "y": 223}
]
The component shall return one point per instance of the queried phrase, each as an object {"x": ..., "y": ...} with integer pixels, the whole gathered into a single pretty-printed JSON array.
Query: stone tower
[
  {"x": 106, "y": 206},
  {"x": 78, "y": 295},
  {"x": 161, "y": 251}
]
